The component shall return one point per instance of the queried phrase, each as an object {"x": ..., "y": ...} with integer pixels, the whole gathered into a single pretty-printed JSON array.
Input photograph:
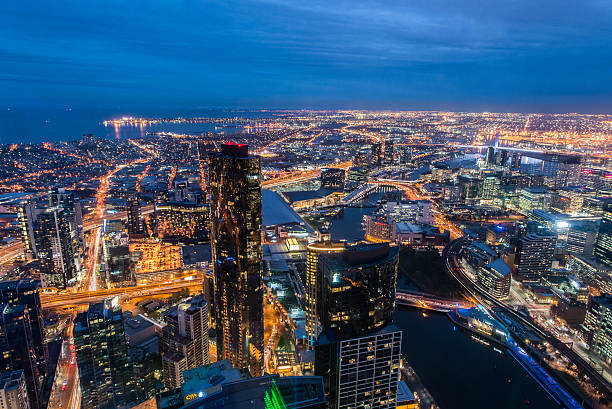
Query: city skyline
[{"x": 265, "y": 204}]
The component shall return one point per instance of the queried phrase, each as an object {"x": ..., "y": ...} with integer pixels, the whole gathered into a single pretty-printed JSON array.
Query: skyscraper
[
  {"x": 49, "y": 236},
  {"x": 17, "y": 348},
  {"x": 375, "y": 154},
  {"x": 234, "y": 179},
  {"x": 388, "y": 152},
  {"x": 105, "y": 374},
  {"x": 490, "y": 158},
  {"x": 313, "y": 282},
  {"x": 603, "y": 247},
  {"x": 185, "y": 340},
  {"x": 597, "y": 326},
  {"x": 26, "y": 292},
  {"x": 135, "y": 222},
  {"x": 358, "y": 352},
  {"x": 534, "y": 255}
]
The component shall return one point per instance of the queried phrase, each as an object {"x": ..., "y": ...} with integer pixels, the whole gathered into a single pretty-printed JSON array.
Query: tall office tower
[
  {"x": 405, "y": 155},
  {"x": 597, "y": 324},
  {"x": 332, "y": 178},
  {"x": 181, "y": 222},
  {"x": 375, "y": 154},
  {"x": 502, "y": 157},
  {"x": 489, "y": 187},
  {"x": 389, "y": 152},
  {"x": 534, "y": 255},
  {"x": 185, "y": 340},
  {"x": 234, "y": 179},
  {"x": 49, "y": 236},
  {"x": 135, "y": 222},
  {"x": 17, "y": 349},
  {"x": 104, "y": 371},
  {"x": 358, "y": 353},
  {"x": 603, "y": 246},
  {"x": 13, "y": 390},
  {"x": 71, "y": 205},
  {"x": 26, "y": 292},
  {"x": 515, "y": 161},
  {"x": 313, "y": 282},
  {"x": 581, "y": 238},
  {"x": 490, "y": 158}
]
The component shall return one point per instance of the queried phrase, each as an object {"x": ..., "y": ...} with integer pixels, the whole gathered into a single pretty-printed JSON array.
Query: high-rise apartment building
[
  {"x": 597, "y": 326},
  {"x": 26, "y": 292},
  {"x": 185, "y": 340},
  {"x": 234, "y": 179},
  {"x": 135, "y": 221},
  {"x": 358, "y": 352},
  {"x": 13, "y": 390},
  {"x": 534, "y": 255},
  {"x": 388, "y": 159},
  {"x": 17, "y": 349},
  {"x": 603, "y": 247},
  {"x": 105, "y": 373},
  {"x": 49, "y": 235},
  {"x": 313, "y": 282},
  {"x": 375, "y": 154}
]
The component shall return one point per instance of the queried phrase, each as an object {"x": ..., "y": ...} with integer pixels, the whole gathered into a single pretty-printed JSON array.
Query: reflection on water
[
  {"x": 463, "y": 373},
  {"x": 459, "y": 371}
]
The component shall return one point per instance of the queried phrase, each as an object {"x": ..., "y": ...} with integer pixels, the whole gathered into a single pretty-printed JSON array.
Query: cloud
[{"x": 429, "y": 50}]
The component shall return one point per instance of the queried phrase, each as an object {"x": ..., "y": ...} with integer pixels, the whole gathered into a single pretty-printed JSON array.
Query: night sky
[{"x": 529, "y": 55}]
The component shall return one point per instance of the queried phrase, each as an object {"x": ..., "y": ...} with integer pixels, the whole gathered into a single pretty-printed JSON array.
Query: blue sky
[{"x": 529, "y": 55}]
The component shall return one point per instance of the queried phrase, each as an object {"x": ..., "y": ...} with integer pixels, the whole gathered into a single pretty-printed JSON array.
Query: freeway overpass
[{"x": 66, "y": 300}]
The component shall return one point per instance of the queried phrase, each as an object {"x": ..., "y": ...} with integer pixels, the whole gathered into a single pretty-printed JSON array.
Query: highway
[
  {"x": 64, "y": 300},
  {"x": 450, "y": 259}
]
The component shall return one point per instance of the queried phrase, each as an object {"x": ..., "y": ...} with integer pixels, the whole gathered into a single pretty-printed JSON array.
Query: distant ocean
[{"x": 36, "y": 126}]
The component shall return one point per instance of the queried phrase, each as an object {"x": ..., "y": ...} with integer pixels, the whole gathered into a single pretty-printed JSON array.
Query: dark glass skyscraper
[
  {"x": 50, "y": 236},
  {"x": 17, "y": 348},
  {"x": 603, "y": 247},
  {"x": 26, "y": 292},
  {"x": 135, "y": 223},
  {"x": 234, "y": 179},
  {"x": 105, "y": 374},
  {"x": 358, "y": 351}
]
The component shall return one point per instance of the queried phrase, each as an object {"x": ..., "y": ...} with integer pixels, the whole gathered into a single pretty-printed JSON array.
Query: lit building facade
[
  {"x": 358, "y": 352},
  {"x": 182, "y": 222},
  {"x": 603, "y": 247},
  {"x": 313, "y": 283},
  {"x": 534, "y": 256},
  {"x": 105, "y": 374},
  {"x": 49, "y": 235},
  {"x": 13, "y": 390},
  {"x": 332, "y": 178},
  {"x": 17, "y": 349},
  {"x": 184, "y": 340},
  {"x": 154, "y": 256},
  {"x": 135, "y": 221},
  {"x": 234, "y": 179},
  {"x": 26, "y": 292},
  {"x": 495, "y": 278},
  {"x": 597, "y": 326}
]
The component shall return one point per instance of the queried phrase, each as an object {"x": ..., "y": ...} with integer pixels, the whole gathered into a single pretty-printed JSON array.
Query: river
[{"x": 457, "y": 370}]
